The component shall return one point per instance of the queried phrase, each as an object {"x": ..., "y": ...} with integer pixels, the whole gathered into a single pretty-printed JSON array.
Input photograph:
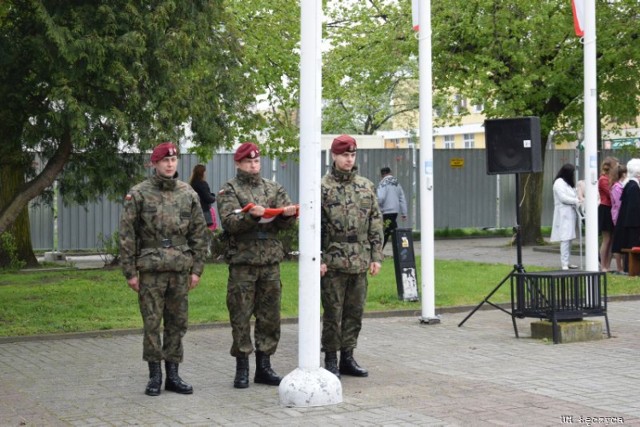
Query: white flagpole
[
  {"x": 309, "y": 384},
  {"x": 426, "y": 166},
  {"x": 590, "y": 137}
]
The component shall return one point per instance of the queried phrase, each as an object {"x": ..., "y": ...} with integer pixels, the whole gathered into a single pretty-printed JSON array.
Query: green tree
[
  {"x": 81, "y": 81},
  {"x": 516, "y": 57},
  {"x": 369, "y": 74},
  {"x": 271, "y": 40},
  {"x": 521, "y": 58}
]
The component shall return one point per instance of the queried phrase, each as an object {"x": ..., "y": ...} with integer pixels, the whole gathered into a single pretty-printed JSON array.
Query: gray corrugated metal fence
[{"x": 464, "y": 195}]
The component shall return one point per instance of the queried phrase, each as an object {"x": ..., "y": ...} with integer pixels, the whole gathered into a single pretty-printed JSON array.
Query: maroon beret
[
  {"x": 246, "y": 150},
  {"x": 166, "y": 149},
  {"x": 343, "y": 143}
]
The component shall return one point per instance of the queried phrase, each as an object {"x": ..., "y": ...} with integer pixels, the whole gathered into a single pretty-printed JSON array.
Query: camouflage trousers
[
  {"x": 254, "y": 291},
  {"x": 343, "y": 298},
  {"x": 163, "y": 297}
]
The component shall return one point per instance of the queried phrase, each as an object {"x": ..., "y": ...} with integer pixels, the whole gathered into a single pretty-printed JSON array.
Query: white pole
[
  {"x": 309, "y": 384},
  {"x": 590, "y": 138},
  {"x": 425, "y": 169}
]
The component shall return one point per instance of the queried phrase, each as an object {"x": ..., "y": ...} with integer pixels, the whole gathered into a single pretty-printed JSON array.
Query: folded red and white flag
[{"x": 269, "y": 213}]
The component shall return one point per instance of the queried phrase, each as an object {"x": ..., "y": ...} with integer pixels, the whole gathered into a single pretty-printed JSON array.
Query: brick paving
[{"x": 420, "y": 375}]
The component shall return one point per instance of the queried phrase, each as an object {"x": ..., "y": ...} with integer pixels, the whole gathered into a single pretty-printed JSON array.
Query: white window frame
[
  {"x": 469, "y": 140},
  {"x": 478, "y": 108},
  {"x": 449, "y": 142}
]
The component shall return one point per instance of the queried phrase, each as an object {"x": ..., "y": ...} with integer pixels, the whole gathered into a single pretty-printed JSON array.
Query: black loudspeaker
[{"x": 513, "y": 145}]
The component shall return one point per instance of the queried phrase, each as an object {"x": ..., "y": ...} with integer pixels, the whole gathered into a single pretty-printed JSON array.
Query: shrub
[
  {"x": 9, "y": 247},
  {"x": 109, "y": 247}
]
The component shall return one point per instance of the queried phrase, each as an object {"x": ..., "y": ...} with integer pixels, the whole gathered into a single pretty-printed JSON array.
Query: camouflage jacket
[
  {"x": 247, "y": 240},
  {"x": 155, "y": 210},
  {"x": 351, "y": 229}
]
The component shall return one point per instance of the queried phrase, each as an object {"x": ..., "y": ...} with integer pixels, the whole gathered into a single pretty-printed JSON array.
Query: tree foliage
[
  {"x": 521, "y": 58},
  {"x": 516, "y": 58},
  {"x": 270, "y": 37},
  {"x": 81, "y": 81},
  {"x": 370, "y": 71}
]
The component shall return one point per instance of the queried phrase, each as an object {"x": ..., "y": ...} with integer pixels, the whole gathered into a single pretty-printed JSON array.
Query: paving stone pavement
[{"x": 420, "y": 375}]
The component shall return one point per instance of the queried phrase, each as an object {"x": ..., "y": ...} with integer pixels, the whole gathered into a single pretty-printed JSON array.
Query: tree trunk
[
  {"x": 12, "y": 179},
  {"x": 16, "y": 193},
  {"x": 531, "y": 208}
]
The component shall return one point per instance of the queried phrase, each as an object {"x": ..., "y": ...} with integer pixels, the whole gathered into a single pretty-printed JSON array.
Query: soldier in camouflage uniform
[
  {"x": 253, "y": 253},
  {"x": 351, "y": 232},
  {"x": 163, "y": 238}
]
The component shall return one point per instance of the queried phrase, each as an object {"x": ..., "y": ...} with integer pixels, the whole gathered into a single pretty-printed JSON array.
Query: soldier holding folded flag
[{"x": 247, "y": 208}]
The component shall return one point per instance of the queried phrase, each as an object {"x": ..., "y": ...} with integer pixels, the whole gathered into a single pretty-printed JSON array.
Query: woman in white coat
[{"x": 565, "y": 202}]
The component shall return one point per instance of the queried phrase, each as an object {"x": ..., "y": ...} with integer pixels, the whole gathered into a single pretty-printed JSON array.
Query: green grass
[{"x": 50, "y": 302}]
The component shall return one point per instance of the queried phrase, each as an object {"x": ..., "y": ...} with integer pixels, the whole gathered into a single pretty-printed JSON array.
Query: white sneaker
[
  {"x": 573, "y": 267},
  {"x": 565, "y": 267}
]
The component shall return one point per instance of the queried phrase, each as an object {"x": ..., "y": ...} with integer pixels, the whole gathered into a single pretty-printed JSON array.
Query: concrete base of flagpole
[
  {"x": 305, "y": 388},
  {"x": 429, "y": 320}
]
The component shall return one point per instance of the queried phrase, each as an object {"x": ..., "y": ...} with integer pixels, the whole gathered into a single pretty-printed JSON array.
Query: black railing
[{"x": 559, "y": 296}]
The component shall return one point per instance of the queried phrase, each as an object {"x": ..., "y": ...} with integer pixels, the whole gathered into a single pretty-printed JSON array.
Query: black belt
[
  {"x": 258, "y": 235},
  {"x": 354, "y": 238},
  {"x": 164, "y": 243}
]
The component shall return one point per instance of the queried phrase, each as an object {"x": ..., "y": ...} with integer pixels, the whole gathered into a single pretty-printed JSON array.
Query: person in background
[
  {"x": 627, "y": 233},
  {"x": 392, "y": 202},
  {"x": 201, "y": 187},
  {"x": 618, "y": 179},
  {"x": 605, "y": 223},
  {"x": 253, "y": 252},
  {"x": 351, "y": 236},
  {"x": 162, "y": 249},
  {"x": 565, "y": 203}
]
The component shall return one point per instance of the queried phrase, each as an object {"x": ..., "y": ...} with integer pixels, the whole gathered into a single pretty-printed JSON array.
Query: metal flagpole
[
  {"x": 590, "y": 137},
  {"x": 309, "y": 384},
  {"x": 425, "y": 170}
]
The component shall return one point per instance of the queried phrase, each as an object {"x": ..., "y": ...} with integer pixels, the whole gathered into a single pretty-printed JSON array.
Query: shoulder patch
[
  {"x": 128, "y": 197},
  {"x": 221, "y": 191}
]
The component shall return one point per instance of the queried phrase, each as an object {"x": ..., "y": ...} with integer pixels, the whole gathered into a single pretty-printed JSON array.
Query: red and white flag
[
  {"x": 415, "y": 15},
  {"x": 578, "y": 16}
]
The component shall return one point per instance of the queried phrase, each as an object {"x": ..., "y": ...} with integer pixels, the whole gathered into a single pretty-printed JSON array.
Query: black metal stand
[{"x": 517, "y": 268}]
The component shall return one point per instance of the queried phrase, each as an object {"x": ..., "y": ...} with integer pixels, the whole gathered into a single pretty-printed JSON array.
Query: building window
[
  {"x": 449, "y": 141},
  {"x": 469, "y": 140},
  {"x": 460, "y": 103},
  {"x": 478, "y": 108}
]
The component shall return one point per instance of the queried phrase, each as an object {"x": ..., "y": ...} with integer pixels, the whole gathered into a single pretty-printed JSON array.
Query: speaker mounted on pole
[{"x": 513, "y": 145}]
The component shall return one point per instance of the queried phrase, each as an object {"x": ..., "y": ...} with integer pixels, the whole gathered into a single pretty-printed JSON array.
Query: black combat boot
[
  {"x": 174, "y": 382},
  {"x": 331, "y": 362},
  {"x": 348, "y": 365},
  {"x": 242, "y": 372},
  {"x": 155, "y": 379},
  {"x": 264, "y": 373}
]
